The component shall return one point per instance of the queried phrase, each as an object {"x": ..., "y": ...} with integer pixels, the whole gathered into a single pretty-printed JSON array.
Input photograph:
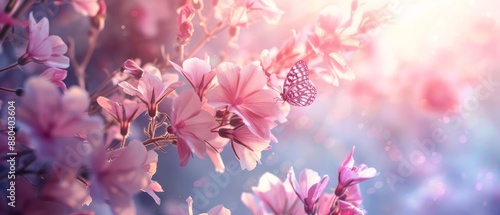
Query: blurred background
[{"x": 422, "y": 109}]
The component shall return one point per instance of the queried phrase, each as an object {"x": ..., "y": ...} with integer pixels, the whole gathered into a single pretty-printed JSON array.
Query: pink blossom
[
  {"x": 242, "y": 12},
  {"x": 52, "y": 119},
  {"x": 246, "y": 145},
  {"x": 330, "y": 18},
  {"x": 185, "y": 27},
  {"x": 84, "y": 7},
  {"x": 192, "y": 126},
  {"x": 198, "y": 73},
  {"x": 43, "y": 48},
  {"x": 309, "y": 188},
  {"x": 439, "y": 96},
  {"x": 277, "y": 197},
  {"x": 350, "y": 175},
  {"x": 241, "y": 90},
  {"x": 217, "y": 210},
  {"x": 132, "y": 68},
  {"x": 116, "y": 179},
  {"x": 150, "y": 90},
  {"x": 56, "y": 76},
  {"x": 150, "y": 168},
  {"x": 125, "y": 112}
]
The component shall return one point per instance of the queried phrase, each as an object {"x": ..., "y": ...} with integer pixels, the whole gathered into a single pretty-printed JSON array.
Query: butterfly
[{"x": 298, "y": 89}]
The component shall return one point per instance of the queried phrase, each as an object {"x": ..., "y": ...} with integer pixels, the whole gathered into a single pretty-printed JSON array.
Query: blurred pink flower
[
  {"x": 124, "y": 112},
  {"x": 246, "y": 145},
  {"x": 309, "y": 188},
  {"x": 192, "y": 126},
  {"x": 350, "y": 175},
  {"x": 439, "y": 96},
  {"x": 84, "y": 7},
  {"x": 198, "y": 73},
  {"x": 217, "y": 210},
  {"x": 56, "y": 76},
  {"x": 243, "y": 12},
  {"x": 242, "y": 91},
  {"x": 115, "y": 180},
  {"x": 52, "y": 119},
  {"x": 43, "y": 48},
  {"x": 277, "y": 197},
  {"x": 185, "y": 27},
  {"x": 150, "y": 168},
  {"x": 151, "y": 90}
]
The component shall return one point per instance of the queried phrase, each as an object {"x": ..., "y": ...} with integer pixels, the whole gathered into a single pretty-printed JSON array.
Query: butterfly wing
[{"x": 298, "y": 89}]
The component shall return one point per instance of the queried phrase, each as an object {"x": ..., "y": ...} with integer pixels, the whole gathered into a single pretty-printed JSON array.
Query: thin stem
[
  {"x": 103, "y": 84},
  {"x": 8, "y": 89},
  {"x": 9, "y": 67},
  {"x": 158, "y": 139},
  {"x": 207, "y": 38}
]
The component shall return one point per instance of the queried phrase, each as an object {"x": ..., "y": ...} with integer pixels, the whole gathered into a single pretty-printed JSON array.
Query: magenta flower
[
  {"x": 192, "y": 126},
  {"x": 350, "y": 175},
  {"x": 246, "y": 145},
  {"x": 242, "y": 91},
  {"x": 115, "y": 180},
  {"x": 309, "y": 188},
  {"x": 125, "y": 113},
  {"x": 150, "y": 90},
  {"x": 43, "y": 48},
  {"x": 56, "y": 76},
  {"x": 51, "y": 119},
  {"x": 277, "y": 197},
  {"x": 198, "y": 73},
  {"x": 185, "y": 27}
]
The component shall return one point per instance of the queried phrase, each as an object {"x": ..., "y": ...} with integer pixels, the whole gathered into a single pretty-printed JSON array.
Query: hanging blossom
[
  {"x": 217, "y": 210},
  {"x": 309, "y": 188},
  {"x": 272, "y": 196},
  {"x": 42, "y": 48},
  {"x": 115, "y": 178},
  {"x": 191, "y": 125},
  {"x": 56, "y": 76},
  {"x": 242, "y": 91},
  {"x": 150, "y": 90}
]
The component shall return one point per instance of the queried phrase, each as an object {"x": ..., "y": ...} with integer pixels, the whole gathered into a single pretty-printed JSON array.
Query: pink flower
[
  {"x": 198, "y": 73},
  {"x": 150, "y": 168},
  {"x": 350, "y": 175},
  {"x": 309, "y": 188},
  {"x": 51, "y": 119},
  {"x": 246, "y": 146},
  {"x": 185, "y": 27},
  {"x": 125, "y": 113},
  {"x": 242, "y": 12},
  {"x": 277, "y": 197},
  {"x": 192, "y": 126},
  {"x": 132, "y": 68},
  {"x": 217, "y": 210},
  {"x": 150, "y": 90},
  {"x": 330, "y": 18},
  {"x": 56, "y": 76},
  {"x": 43, "y": 48},
  {"x": 115, "y": 180},
  {"x": 241, "y": 90},
  {"x": 84, "y": 7}
]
